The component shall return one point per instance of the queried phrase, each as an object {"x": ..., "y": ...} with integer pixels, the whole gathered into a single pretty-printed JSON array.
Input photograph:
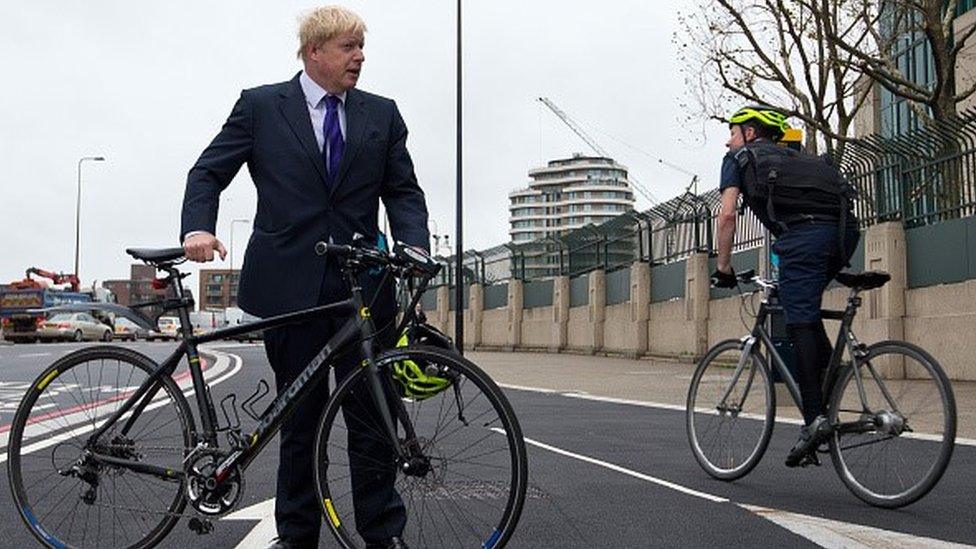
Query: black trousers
[{"x": 379, "y": 511}]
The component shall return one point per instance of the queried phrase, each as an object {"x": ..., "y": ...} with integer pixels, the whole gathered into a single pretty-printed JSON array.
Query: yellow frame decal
[
  {"x": 331, "y": 511},
  {"x": 364, "y": 312},
  {"x": 47, "y": 379}
]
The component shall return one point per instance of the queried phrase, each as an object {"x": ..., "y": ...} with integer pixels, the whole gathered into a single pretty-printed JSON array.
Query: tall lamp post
[
  {"x": 78, "y": 206},
  {"x": 458, "y": 232},
  {"x": 231, "y": 273},
  {"x": 232, "y": 223}
]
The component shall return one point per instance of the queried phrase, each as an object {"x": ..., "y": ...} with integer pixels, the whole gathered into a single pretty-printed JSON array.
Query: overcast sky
[{"x": 148, "y": 84}]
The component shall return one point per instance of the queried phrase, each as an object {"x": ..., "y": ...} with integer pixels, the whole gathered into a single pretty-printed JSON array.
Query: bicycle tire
[
  {"x": 499, "y": 463},
  {"x": 940, "y": 429},
  {"x": 705, "y": 422},
  {"x": 60, "y": 436}
]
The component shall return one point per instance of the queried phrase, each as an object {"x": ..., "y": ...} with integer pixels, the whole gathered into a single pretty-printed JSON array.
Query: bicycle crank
[{"x": 204, "y": 493}]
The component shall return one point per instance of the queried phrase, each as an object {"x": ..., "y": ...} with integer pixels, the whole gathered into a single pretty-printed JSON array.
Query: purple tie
[{"x": 332, "y": 133}]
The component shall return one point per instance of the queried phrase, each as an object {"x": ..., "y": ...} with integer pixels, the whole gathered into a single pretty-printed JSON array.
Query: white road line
[
  {"x": 261, "y": 535},
  {"x": 834, "y": 534},
  {"x": 40, "y": 445},
  {"x": 960, "y": 441},
  {"x": 824, "y": 532},
  {"x": 530, "y": 389},
  {"x": 33, "y": 355},
  {"x": 624, "y": 470}
]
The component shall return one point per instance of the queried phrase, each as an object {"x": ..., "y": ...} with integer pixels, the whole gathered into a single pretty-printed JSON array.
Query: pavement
[{"x": 609, "y": 465}]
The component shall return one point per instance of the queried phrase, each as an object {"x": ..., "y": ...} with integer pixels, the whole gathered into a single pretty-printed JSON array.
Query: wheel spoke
[
  {"x": 97, "y": 504},
  {"x": 728, "y": 437},
  {"x": 467, "y": 490},
  {"x": 905, "y": 453}
]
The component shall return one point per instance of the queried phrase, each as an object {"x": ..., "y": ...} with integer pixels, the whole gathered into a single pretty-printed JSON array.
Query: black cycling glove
[{"x": 724, "y": 280}]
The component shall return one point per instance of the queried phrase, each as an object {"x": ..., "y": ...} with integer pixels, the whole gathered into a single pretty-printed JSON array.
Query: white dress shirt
[{"x": 315, "y": 101}]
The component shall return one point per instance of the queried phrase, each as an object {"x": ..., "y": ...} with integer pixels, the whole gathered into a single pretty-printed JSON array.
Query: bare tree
[
  {"x": 776, "y": 52},
  {"x": 891, "y": 23}
]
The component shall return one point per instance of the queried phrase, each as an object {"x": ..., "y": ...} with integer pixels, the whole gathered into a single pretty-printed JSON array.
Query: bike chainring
[{"x": 203, "y": 492}]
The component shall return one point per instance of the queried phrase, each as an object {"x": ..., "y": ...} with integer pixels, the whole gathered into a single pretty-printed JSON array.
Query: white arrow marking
[
  {"x": 835, "y": 534},
  {"x": 262, "y": 534}
]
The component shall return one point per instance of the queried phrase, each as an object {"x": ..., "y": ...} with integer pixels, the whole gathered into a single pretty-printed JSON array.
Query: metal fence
[{"x": 920, "y": 178}]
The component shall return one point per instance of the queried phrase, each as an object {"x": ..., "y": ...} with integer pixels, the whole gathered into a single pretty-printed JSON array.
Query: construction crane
[
  {"x": 566, "y": 119},
  {"x": 56, "y": 278}
]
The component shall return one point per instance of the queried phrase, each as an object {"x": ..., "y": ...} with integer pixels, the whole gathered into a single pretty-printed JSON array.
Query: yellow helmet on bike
[{"x": 413, "y": 379}]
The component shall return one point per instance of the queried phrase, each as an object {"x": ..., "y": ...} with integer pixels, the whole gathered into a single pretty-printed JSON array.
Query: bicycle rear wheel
[
  {"x": 728, "y": 437},
  {"x": 893, "y": 446},
  {"x": 467, "y": 487},
  {"x": 66, "y": 497}
]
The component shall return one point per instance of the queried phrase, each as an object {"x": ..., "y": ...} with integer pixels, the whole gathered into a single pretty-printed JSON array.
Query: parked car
[
  {"x": 125, "y": 329},
  {"x": 169, "y": 327},
  {"x": 74, "y": 327}
]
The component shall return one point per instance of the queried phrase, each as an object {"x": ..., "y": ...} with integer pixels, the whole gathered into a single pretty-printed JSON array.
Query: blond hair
[{"x": 323, "y": 23}]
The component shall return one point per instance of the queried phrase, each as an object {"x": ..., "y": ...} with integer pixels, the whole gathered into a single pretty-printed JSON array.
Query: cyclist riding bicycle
[{"x": 815, "y": 232}]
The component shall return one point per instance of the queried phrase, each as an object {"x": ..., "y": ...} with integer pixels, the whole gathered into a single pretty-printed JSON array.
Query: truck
[
  {"x": 18, "y": 324},
  {"x": 18, "y": 321}
]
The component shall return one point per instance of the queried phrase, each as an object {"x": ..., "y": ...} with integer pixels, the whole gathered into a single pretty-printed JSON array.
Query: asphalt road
[{"x": 602, "y": 474}]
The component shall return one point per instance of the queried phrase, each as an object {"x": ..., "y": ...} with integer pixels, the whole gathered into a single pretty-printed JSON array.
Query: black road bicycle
[
  {"x": 891, "y": 439},
  {"x": 116, "y": 458}
]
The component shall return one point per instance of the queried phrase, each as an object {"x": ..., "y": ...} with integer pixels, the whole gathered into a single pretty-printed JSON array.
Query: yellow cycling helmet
[
  {"x": 765, "y": 116},
  {"x": 413, "y": 379}
]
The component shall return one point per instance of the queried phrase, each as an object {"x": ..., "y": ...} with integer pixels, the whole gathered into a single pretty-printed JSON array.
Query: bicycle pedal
[
  {"x": 202, "y": 527},
  {"x": 810, "y": 459}
]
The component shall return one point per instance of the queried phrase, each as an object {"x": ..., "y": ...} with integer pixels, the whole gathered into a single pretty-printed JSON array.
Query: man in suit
[{"x": 322, "y": 154}]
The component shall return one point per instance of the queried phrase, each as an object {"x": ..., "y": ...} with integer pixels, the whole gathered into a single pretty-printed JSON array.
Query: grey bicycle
[{"x": 890, "y": 406}]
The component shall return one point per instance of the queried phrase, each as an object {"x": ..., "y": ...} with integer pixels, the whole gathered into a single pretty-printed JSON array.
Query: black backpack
[{"x": 795, "y": 185}]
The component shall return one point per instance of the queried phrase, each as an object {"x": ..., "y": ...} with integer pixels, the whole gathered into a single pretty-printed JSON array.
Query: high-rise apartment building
[{"x": 568, "y": 194}]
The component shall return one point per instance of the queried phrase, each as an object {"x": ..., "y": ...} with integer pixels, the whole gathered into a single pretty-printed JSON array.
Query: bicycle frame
[
  {"x": 360, "y": 326},
  {"x": 845, "y": 339}
]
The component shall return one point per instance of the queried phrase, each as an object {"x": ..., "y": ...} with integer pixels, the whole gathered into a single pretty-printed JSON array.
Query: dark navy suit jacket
[{"x": 270, "y": 130}]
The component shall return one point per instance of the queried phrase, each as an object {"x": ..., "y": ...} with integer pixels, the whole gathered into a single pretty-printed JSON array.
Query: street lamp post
[
  {"x": 230, "y": 273},
  {"x": 232, "y": 223},
  {"x": 78, "y": 207}
]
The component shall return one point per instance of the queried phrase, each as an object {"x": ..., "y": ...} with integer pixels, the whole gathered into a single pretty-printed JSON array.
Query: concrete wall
[
  {"x": 580, "y": 335},
  {"x": 939, "y": 318},
  {"x": 536, "y": 328},
  {"x": 667, "y": 330},
  {"x": 494, "y": 328},
  {"x": 616, "y": 328}
]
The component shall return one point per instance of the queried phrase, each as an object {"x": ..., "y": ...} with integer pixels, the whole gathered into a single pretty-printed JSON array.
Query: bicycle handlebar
[{"x": 404, "y": 257}]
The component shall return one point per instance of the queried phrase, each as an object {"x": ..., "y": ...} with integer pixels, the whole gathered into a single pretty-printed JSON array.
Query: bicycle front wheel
[
  {"x": 730, "y": 411},
  {"x": 892, "y": 445},
  {"x": 67, "y": 497},
  {"x": 466, "y": 482}
]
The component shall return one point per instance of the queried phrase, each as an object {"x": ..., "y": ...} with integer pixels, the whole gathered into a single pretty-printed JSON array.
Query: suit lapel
[
  {"x": 355, "y": 126},
  {"x": 292, "y": 107}
]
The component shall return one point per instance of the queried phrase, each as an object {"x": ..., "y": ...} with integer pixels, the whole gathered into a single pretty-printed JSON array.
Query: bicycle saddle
[
  {"x": 155, "y": 255},
  {"x": 864, "y": 281}
]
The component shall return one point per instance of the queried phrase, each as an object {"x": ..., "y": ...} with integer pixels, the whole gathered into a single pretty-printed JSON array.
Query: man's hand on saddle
[{"x": 200, "y": 247}]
